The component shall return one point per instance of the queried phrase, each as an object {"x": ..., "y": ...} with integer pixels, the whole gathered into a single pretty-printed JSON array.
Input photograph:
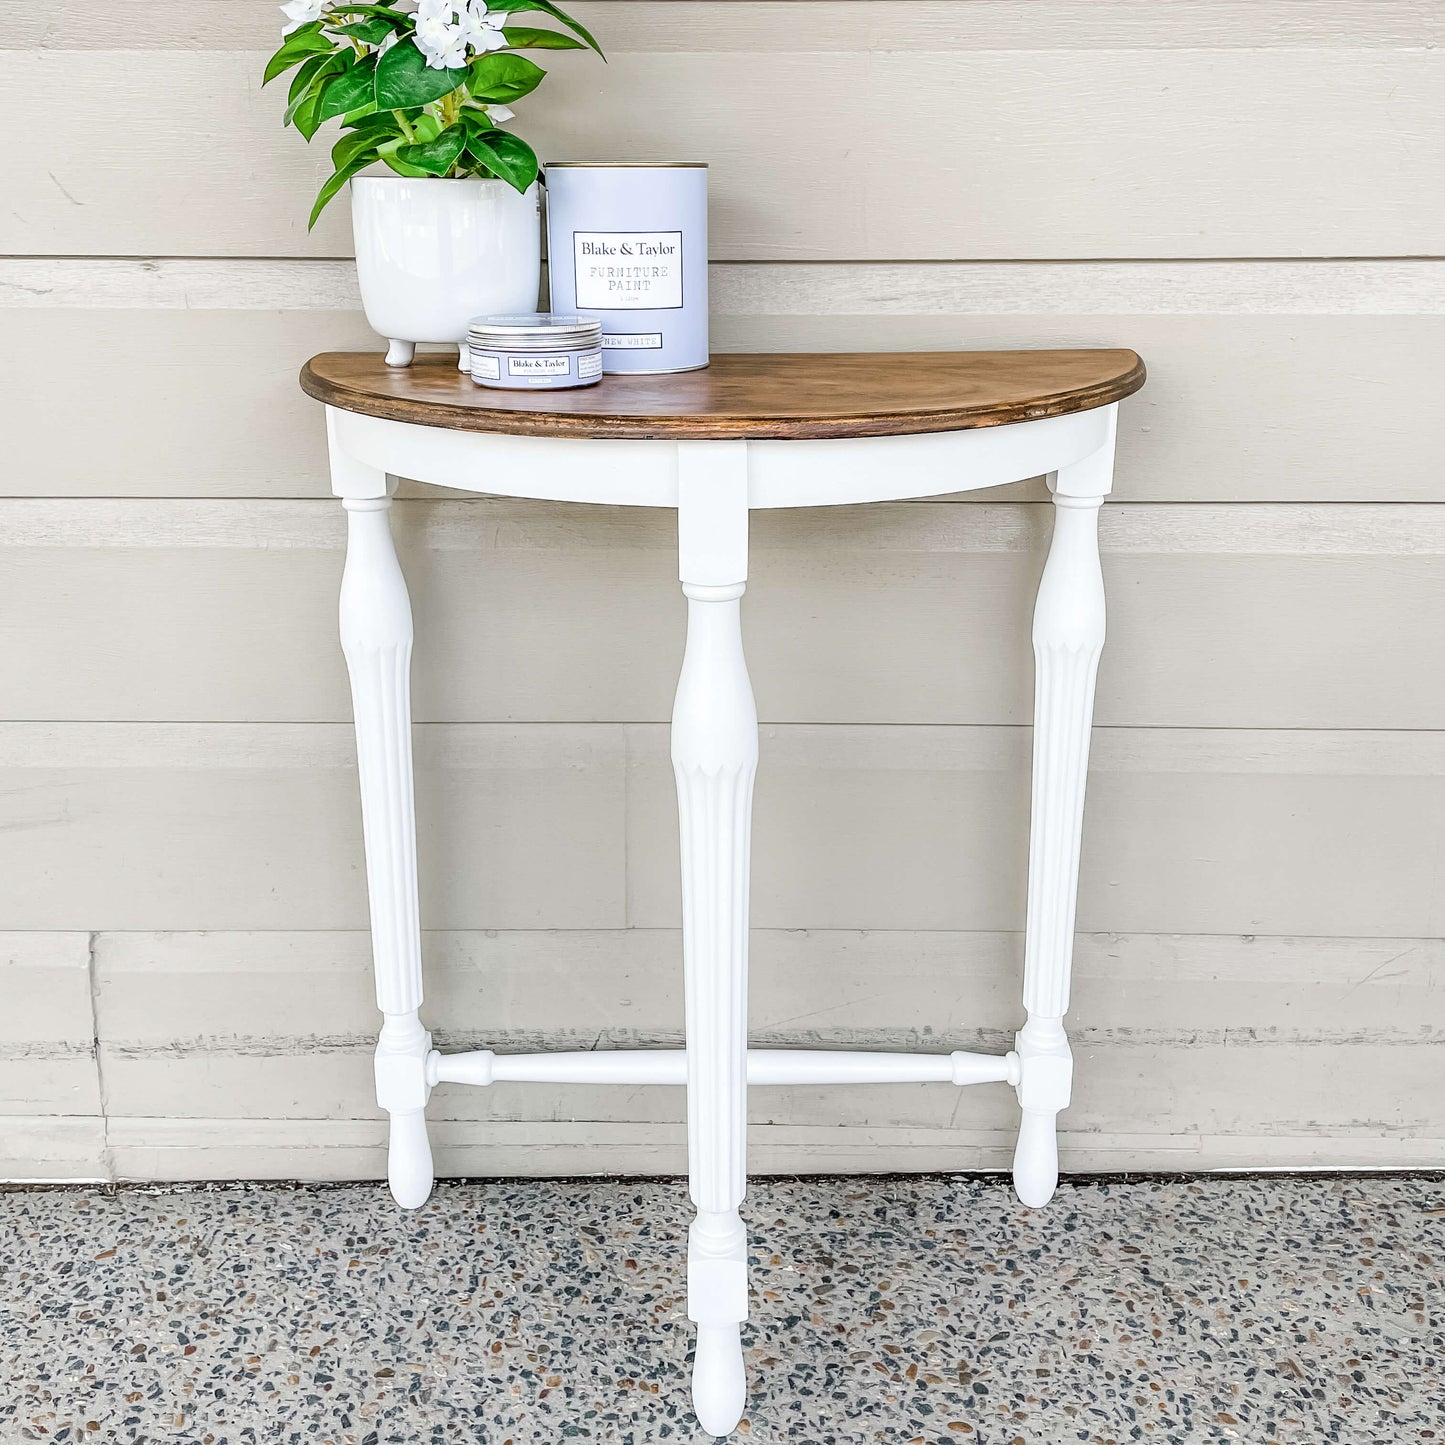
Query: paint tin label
[
  {"x": 536, "y": 371},
  {"x": 628, "y": 270},
  {"x": 538, "y": 366},
  {"x": 632, "y": 341}
]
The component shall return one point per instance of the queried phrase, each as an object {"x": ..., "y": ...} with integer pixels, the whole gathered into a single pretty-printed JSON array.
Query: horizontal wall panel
[
  {"x": 1188, "y": 831},
  {"x": 194, "y": 403},
  {"x": 1399, "y": 286},
  {"x": 45, "y": 982},
  {"x": 260, "y": 827},
  {"x": 1249, "y": 1037},
  {"x": 1379, "y": 1091},
  {"x": 154, "y": 827},
  {"x": 258, "y": 995},
  {"x": 47, "y": 1029},
  {"x": 1247, "y": 398},
  {"x": 1085, "y": 153},
  {"x": 37, "y": 1148},
  {"x": 170, "y": 1148},
  {"x": 176, "y": 1148},
  {"x": 828, "y": 25},
  {"x": 1221, "y": 616}
]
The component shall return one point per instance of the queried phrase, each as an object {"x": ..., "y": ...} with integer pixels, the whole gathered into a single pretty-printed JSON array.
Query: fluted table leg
[
  {"x": 1068, "y": 637},
  {"x": 714, "y": 757},
  {"x": 376, "y": 635}
]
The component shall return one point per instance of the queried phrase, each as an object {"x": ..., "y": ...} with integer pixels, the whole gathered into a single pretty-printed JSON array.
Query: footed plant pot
[{"x": 431, "y": 254}]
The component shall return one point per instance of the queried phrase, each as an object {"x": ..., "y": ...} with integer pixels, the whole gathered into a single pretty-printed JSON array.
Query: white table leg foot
[
  {"x": 376, "y": 635},
  {"x": 1046, "y": 1068},
  {"x": 1068, "y": 637},
  {"x": 400, "y": 353},
  {"x": 408, "y": 1159},
  {"x": 717, "y": 1302},
  {"x": 1036, "y": 1159},
  {"x": 402, "y": 1090},
  {"x": 719, "y": 1386},
  {"x": 714, "y": 758}
]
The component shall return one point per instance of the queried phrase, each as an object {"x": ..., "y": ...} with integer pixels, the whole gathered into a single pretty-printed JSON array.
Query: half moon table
[{"x": 749, "y": 431}]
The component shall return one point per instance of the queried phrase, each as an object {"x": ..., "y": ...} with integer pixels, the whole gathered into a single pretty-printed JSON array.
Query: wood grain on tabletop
[{"x": 770, "y": 395}]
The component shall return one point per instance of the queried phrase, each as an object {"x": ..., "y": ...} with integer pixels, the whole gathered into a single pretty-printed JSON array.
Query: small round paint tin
[
  {"x": 628, "y": 243},
  {"x": 538, "y": 352}
]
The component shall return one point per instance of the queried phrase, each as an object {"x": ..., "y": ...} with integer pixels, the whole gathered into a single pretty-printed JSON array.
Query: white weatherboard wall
[{"x": 1247, "y": 192}]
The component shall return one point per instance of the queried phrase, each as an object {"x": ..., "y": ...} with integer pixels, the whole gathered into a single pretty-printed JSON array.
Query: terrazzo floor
[{"x": 908, "y": 1311}]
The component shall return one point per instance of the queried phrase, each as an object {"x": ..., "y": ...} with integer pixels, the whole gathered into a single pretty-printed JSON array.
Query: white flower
[
  {"x": 453, "y": 59},
  {"x": 450, "y": 32},
  {"x": 301, "y": 12},
  {"x": 483, "y": 30},
  {"x": 436, "y": 34}
]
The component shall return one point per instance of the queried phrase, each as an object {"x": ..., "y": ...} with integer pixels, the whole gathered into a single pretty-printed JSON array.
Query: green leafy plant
[{"x": 425, "y": 91}]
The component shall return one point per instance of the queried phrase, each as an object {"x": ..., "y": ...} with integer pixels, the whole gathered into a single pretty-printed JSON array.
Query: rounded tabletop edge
[{"x": 399, "y": 394}]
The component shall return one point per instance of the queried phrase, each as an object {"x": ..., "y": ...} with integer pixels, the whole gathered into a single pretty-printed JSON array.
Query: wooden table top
[{"x": 791, "y": 396}]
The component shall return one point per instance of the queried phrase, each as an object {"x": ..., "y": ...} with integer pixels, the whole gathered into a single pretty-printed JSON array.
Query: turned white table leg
[
  {"x": 714, "y": 757},
  {"x": 1068, "y": 637},
  {"x": 376, "y": 635}
]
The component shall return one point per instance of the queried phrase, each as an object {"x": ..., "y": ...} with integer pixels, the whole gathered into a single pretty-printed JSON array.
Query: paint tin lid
[{"x": 539, "y": 331}]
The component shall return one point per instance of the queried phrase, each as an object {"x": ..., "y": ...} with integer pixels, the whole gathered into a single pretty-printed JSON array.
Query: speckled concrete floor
[{"x": 903, "y": 1311}]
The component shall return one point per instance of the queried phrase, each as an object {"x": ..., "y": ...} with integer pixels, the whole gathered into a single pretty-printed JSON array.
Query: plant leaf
[
  {"x": 516, "y": 7},
  {"x": 304, "y": 116},
  {"x": 347, "y": 91},
  {"x": 308, "y": 72},
  {"x": 379, "y": 125},
  {"x": 387, "y": 151},
  {"x": 402, "y": 169},
  {"x": 295, "y": 48},
  {"x": 357, "y": 143},
  {"x": 372, "y": 31},
  {"x": 330, "y": 65},
  {"x": 335, "y": 183},
  {"x": 529, "y": 37},
  {"x": 436, "y": 157},
  {"x": 505, "y": 154},
  {"x": 405, "y": 81},
  {"x": 500, "y": 78}
]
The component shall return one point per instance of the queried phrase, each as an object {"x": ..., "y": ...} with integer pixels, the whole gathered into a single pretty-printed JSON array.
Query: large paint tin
[{"x": 628, "y": 244}]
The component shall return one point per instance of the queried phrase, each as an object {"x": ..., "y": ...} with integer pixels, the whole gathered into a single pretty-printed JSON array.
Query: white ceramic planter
[{"x": 431, "y": 254}]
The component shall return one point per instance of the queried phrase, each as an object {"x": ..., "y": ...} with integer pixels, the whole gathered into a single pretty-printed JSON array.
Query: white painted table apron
[{"x": 713, "y": 485}]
